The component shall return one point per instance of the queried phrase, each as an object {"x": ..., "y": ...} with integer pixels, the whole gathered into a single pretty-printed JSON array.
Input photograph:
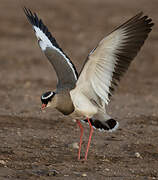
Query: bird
[{"x": 88, "y": 93}]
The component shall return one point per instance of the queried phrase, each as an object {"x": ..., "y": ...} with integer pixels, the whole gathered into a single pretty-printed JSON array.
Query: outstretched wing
[
  {"x": 111, "y": 58},
  {"x": 65, "y": 70}
]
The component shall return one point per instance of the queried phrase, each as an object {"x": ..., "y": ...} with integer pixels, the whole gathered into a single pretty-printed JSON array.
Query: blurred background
[{"x": 78, "y": 26}]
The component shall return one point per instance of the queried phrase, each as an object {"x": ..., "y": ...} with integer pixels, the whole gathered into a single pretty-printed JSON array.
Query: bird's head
[{"x": 47, "y": 99}]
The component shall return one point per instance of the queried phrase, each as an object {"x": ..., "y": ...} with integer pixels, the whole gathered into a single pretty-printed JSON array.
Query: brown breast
[{"x": 64, "y": 102}]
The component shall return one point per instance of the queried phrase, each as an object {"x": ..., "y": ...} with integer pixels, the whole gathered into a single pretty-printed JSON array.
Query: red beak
[{"x": 43, "y": 106}]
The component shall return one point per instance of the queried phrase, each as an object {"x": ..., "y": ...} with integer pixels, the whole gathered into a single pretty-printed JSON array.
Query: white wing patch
[
  {"x": 105, "y": 63},
  {"x": 44, "y": 43}
]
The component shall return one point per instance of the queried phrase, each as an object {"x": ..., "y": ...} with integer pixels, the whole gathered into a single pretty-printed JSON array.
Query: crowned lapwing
[{"x": 89, "y": 93}]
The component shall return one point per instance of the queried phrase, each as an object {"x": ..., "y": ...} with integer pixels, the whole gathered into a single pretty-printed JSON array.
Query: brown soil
[{"x": 37, "y": 145}]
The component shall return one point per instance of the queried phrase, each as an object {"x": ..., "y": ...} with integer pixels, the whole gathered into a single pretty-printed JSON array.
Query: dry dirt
[{"x": 37, "y": 145}]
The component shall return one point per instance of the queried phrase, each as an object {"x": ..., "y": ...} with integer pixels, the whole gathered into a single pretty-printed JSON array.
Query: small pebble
[
  {"x": 137, "y": 154},
  {"x": 19, "y": 133},
  {"x": 74, "y": 145},
  {"x": 66, "y": 175},
  {"x": 84, "y": 175},
  {"x": 105, "y": 160},
  {"x": 2, "y": 162}
]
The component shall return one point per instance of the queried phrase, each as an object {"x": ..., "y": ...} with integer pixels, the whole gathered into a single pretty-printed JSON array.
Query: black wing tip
[
  {"x": 140, "y": 20},
  {"x": 148, "y": 20},
  {"x": 35, "y": 21},
  {"x": 145, "y": 18},
  {"x": 32, "y": 17}
]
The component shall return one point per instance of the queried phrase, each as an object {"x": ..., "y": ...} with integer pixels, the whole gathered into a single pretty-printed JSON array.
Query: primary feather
[
  {"x": 111, "y": 58},
  {"x": 65, "y": 69}
]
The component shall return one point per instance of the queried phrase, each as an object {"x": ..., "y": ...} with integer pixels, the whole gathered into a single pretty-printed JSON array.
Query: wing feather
[
  {"x": 65, "y": 69},
  {"x": 107, "y": 63}
]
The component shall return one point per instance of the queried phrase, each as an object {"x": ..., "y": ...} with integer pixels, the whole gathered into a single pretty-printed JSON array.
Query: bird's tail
[{"x": 106, "y": 125}]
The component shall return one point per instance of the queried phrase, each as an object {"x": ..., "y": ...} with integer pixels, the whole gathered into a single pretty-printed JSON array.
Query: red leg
[
  {"x": 90, "y": 136},
  {"x": 81, "y": 128}
]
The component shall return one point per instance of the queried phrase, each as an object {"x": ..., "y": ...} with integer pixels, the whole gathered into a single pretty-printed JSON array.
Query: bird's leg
[
  {"x": 81, "y": 128},
  {"x": 90, "y": 136}
]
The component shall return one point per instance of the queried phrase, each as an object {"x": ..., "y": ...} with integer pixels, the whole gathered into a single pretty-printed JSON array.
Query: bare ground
[{"x": 37, "y": 145}]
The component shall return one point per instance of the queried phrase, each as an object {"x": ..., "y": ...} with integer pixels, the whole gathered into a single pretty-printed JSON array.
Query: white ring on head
[{"x": 51, "y": 93}]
